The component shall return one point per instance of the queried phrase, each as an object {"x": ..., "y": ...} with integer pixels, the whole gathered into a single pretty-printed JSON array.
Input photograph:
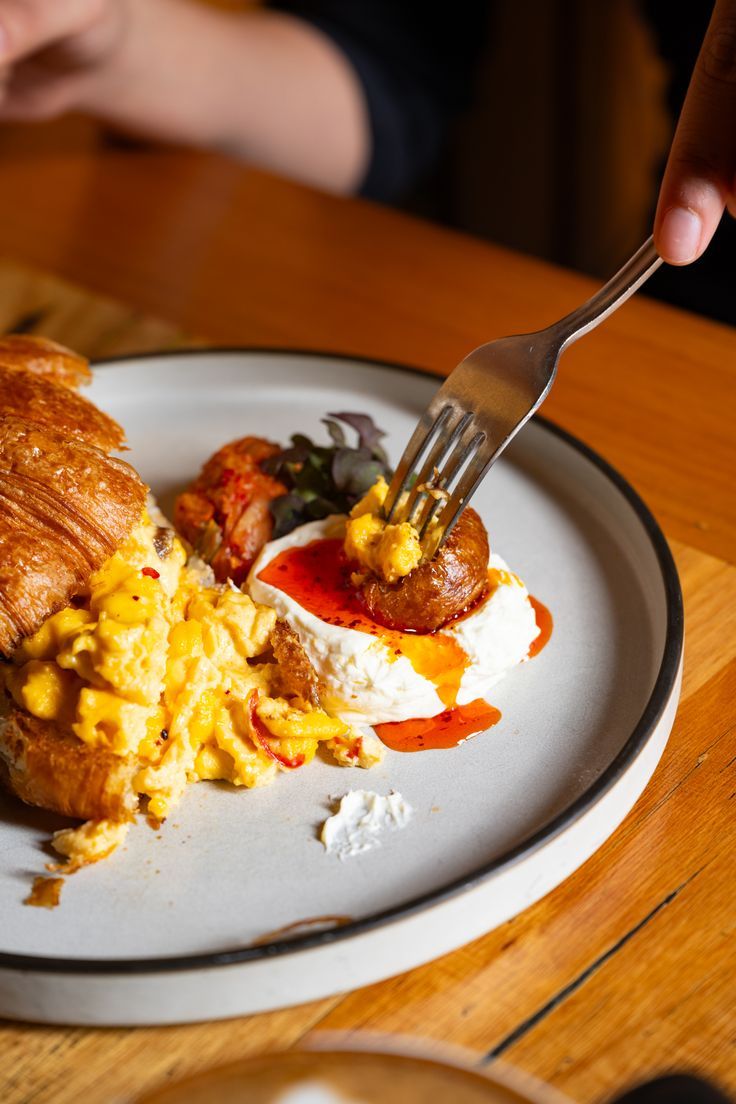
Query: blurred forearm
[{"x": 262, "y": 86}]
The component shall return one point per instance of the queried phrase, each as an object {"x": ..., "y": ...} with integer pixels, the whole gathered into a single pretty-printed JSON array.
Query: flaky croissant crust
[
  {"x": 46, "y": 765},
  {"x": 42, "y": 402},
  {"x": 65, "y": 505},
  {"x": 43, "y": 357}
]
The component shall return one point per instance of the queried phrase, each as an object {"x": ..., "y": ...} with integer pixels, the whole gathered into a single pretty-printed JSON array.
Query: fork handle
[{"x": 618, "y": 289}]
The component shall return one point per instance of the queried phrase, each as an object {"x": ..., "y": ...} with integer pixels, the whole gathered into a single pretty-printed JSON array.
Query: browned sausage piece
[{"x": 435, "y": 592}]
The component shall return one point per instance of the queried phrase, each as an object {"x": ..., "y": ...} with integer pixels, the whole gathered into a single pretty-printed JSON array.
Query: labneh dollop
[
  {"x": 372, "y": 674},
  {"x": 363, "y": 816}
]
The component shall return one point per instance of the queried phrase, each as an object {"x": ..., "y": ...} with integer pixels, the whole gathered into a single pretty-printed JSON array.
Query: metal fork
[{"x": 484, "y": 403}]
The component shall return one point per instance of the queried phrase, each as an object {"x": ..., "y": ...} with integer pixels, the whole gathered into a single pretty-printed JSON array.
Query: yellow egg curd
[
  {"x": 389, "y": 551},
  {"x": 155, "y": 664}
]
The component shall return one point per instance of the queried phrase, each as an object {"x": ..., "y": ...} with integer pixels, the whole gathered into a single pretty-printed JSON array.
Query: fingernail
[{"x": 680, "y": 235}]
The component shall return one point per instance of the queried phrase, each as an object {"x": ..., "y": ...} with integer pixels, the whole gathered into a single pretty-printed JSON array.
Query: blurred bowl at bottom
[{"x": 354, "y": 1076}]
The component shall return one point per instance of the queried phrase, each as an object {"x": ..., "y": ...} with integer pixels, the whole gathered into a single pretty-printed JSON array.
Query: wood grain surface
[{"x": 625, "y": 970}]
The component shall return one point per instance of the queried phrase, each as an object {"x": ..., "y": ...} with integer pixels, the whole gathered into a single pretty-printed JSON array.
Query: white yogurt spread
[
  {"x": 360, "y": 820},
  {"x": 365, "y": 683}
]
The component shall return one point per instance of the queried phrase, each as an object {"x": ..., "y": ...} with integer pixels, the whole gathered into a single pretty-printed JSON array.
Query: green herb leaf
[{"x": 287, "y": 512}]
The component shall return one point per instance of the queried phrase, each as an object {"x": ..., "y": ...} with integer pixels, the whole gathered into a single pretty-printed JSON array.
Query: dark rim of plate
[{"x": 636, "y": 742}]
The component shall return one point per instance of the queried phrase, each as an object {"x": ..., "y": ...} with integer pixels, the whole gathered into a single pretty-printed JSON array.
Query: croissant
[
  {"x": 38, "y": 399},
  {"x": 44, "y": 357},
  {"x": 46, "y": 765},
  {"x": 65, "y": 507}
]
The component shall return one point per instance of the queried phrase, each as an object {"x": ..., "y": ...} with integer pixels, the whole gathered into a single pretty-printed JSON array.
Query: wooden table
[{"x": 628, "y": 968}]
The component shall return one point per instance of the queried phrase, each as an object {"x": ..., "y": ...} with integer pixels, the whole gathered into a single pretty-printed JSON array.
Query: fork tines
[
  {"x": 448, "y": 445},
  {"x": 483, "y": 404}
]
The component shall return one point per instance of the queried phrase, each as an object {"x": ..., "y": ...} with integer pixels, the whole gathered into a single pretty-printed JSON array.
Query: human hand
[
  {"x": 700, "y": 178},
  {"x": 52, "y": 52}
]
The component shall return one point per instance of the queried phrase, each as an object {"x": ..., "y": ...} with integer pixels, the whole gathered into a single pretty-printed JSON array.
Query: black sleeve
[{"x": 415, "y": 62}]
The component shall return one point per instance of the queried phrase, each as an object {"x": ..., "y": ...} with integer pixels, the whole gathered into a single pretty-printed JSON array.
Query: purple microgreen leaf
[
  {"x": 344, "y": 464},
  {"x": 368, "y": 432},
  {"x": 335, "y": 431},
  {"x": 364, "y": 477},
  {"x": 328, "y": 479}
]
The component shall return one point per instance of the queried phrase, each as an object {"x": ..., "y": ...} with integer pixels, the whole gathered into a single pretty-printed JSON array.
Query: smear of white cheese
[{"x": 361, "y": 818}]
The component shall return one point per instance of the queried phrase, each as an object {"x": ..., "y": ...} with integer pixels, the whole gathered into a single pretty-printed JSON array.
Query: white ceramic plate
[{"x": 172, "y": 928}]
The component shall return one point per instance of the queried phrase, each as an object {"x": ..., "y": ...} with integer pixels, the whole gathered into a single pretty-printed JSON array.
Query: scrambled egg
[
  {"x": 92, "y": 841},
  {"x": 155, "y": 664},
  {"x": 389, "y": 551}
]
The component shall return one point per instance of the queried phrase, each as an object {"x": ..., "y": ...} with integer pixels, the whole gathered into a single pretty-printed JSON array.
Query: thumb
[{"x": 700, "y": 178}]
